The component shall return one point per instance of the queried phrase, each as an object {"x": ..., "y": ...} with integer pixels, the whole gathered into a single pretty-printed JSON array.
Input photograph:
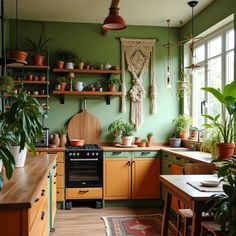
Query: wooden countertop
[
  {"x": 195, "y": 156},
  {"x": 20, "y": 191}
]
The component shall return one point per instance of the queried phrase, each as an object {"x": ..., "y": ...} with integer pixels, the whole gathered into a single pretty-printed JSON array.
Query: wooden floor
[{"x": 85, "y": 221}]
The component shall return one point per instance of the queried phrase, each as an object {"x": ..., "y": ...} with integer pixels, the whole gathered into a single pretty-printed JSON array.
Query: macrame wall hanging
[{"x": 138, "y": 54}]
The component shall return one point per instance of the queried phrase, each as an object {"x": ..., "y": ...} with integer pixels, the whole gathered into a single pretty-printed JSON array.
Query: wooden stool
[{"x": 210, "y": 228}]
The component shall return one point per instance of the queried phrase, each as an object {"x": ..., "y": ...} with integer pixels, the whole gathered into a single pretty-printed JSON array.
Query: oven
[{"x": 83, "y": 166}]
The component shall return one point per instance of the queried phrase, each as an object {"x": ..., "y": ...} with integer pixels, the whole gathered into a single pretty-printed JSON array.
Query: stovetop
[{"x": 86, "y": 147}]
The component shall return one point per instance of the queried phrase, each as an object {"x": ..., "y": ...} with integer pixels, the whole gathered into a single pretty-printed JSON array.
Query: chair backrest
[{"x": 199, "y": 168}]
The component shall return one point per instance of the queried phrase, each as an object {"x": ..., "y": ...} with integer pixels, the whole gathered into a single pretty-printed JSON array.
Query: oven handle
[{"x": 85, "y": 159}]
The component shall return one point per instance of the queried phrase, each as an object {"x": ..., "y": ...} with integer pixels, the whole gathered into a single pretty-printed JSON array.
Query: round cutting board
[{"x": 85, "y": 126}]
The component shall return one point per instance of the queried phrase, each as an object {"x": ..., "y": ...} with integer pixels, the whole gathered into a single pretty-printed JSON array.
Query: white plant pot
[
  {"x": 1, "y": 165},
  {"x": 127, "y": 140},
  {"x": 19, "y": 156}
]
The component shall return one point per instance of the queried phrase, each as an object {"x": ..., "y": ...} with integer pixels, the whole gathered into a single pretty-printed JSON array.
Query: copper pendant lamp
[{"x": 113, "y": 21}]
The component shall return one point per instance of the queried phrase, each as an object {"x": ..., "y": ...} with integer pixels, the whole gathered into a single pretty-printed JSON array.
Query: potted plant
[
  {"x": 127, "y": 134},
  {"x": 38, "y": 47},
  {"x": 23, "y": 120},
  {"x": 6, "y": 83},
  {"x": 223, "y": 206},
  {"x": 113, "y": 83},
  {"x": 209, "y": 140},
  {"x": 150, "y": 136},
  {"x": 115, "y": 127},
  {"x": 194, "y": 133},
  {"x": 225, "y": 124},
  {"x": 182, "y": 124},
  {"x": 62, "y": 82},
  {"x": 143, "y": 143},
  {"x": 65, "y": 56}
]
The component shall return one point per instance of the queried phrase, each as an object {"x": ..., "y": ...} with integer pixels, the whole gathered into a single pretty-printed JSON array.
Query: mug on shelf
[
  {"x": 70, "y": 65},
  {"x": 79, "y": 86}
]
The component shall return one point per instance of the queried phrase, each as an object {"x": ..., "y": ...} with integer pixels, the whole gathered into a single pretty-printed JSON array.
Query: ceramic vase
[
  {"x": 19, "y": 156},
  {"x": 63, "y": 140},
  {"x": 56, "y": 140}
]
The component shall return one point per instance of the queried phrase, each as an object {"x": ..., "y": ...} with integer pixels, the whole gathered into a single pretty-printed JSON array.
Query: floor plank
[{"x": 86, "y": 221}]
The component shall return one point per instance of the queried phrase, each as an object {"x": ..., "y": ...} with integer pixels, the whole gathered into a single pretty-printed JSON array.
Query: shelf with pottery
[
  {"x": 85, "y": 71},
  {"x": 30, "y": 82},
  {"x": 108, "y": 94},
  {"x": 21, "y": 66}
]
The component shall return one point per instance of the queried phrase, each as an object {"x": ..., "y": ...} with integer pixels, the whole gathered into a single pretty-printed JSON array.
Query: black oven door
[{"x": 83, "y": 172}]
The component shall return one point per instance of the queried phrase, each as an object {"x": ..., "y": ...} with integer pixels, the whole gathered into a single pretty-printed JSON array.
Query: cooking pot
[{"x": 77, "y": 142}]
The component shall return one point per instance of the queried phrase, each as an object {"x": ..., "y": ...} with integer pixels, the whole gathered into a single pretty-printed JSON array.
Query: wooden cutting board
[{"x": 85, "y": 126}]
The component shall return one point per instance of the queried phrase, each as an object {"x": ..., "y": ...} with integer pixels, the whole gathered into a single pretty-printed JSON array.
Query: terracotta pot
[
  {"x": 42, "y": 78},
  {"x": 194, "y": 134},
  {"x": 29, "y": 77},
  {"x": 143, "y": 144},
  {"x": 56, "y": 140},
  {"x": 184, "y": 134},
  {"x": 225, "y": 150},
  {"x": 35, "y": 78},
  {"x": 63, "y": 140},
  {"x": 148, "y": 144},
  {"x": 62, "y": 86},
  {"x": 60, "y": 64},
  {"x": 18, "y": 55},
  {"x": 77, "y": 142},
  {"x": 38, "y": 60},
  {"x": 137, "y": 140},
  {"x": 150, "y": 138},
  {"x": 112, "y": 88}
]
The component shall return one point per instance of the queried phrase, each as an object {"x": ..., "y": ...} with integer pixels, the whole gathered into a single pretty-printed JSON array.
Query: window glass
[
  {"x": 230, "y": 40},
  {"x": 214, "y": 80},
  {"x": 214, "y": 47},
  {"x": 230, "y": 67},
  {"x": 200, "y": 54}
]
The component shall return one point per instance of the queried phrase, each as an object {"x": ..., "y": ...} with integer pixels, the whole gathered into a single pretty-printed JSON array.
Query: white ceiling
[{"x": 134, "y": 12}]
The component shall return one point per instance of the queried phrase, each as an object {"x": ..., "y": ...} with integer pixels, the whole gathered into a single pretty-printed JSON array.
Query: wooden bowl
[{"x": 77, "y": 142}]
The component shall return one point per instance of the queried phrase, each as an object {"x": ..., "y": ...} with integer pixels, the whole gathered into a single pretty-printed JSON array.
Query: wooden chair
[
  {"x": 186, "y": 214},
  {"x": 210, "y": 228}
]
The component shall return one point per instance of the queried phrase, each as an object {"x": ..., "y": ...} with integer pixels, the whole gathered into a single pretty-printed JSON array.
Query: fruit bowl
[{"x": 77, "y": 142}]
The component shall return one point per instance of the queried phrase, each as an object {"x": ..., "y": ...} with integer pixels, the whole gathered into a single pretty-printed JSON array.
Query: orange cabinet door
[
  {"x": 176, "y": 170},
  {"x": 145, "y": 178},
  {"x": 117, "y": 178}
]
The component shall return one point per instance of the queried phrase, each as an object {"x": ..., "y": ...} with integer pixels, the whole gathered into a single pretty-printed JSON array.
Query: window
[{"x": 215, "y": 55}]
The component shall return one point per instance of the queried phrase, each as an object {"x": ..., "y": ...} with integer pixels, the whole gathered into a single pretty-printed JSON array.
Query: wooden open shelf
[
  {"x": 84, "y": 71},
  {"x": 44, "y": 107},
  {"x": 31, "y": 82},
  {"x": 107, "y": 94},
  {"x": 27, "y": 66}
]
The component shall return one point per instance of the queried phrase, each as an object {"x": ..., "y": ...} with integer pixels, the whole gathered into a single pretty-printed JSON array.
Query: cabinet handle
[
  {"x": 133, "y": 162},
  {"x": 169, "y": 165},
  {"x": 42, "y": 215},
  {"x": 58, "y": 192},
  {"x": 128, "y": 163},
  {"x": 145, "y": 153},
  {"x": 55, "y": 175},
  {"x": 54, "y": 182},
  {"x": 43, "y": 192},
  {"x": 36, "y": 200},
  {"x": 83, "y": 191},
  {"x": 165, "y": 155},
  {"x": 177, "y": 158},
  {"x": 115, "y": 153},
  {"x": 54, "y": 167}
]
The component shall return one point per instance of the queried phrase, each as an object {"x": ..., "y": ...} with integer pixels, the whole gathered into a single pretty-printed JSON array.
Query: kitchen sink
[{"x": 182, "y": 150}]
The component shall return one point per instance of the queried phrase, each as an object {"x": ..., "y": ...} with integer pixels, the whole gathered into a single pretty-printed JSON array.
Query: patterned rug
[{"x": 143, "y": 225}]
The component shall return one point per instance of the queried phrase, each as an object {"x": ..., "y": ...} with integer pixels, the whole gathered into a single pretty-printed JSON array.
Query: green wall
[{"x": 92, "y": 46}]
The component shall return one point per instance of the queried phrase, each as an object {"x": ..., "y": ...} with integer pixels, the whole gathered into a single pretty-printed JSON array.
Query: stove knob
[
  {"x": 74, "y": 154},
  {"x": 77, "y": 154},
  {"x": 70, "y": 154},
  {"x": 87, "y": 153},
  {"x": 97, "y": 154},
  {"x": 93, "y": 154}
]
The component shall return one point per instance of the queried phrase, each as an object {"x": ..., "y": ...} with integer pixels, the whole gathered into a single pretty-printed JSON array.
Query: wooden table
[{"x": 177, "y": 186}]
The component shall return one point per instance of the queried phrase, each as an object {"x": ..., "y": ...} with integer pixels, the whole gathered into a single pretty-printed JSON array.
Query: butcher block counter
[{"x": 24, "y": 199}]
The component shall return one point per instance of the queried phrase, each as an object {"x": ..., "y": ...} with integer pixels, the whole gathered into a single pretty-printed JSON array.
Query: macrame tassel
[
  {"x": 153, "y": 90},
  {"x": 153, "y": 95},
  {"x": 137, "y": 114},
  {"x": 123, "y": 86}
]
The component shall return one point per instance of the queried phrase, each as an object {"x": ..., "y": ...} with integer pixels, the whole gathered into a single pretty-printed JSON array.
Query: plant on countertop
[
  {"x": 115, "y": 127},
  {"x": 224, "y": 123},
  {"x": 150, "y": 136},
  {"x": 20, "y": 125},
  {"x": 127, "y": 129},
  {"x": 223, "y": 207},
  {"x": 182, "y": 124}
]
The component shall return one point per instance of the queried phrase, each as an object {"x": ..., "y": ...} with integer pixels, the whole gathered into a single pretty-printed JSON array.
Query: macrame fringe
[
  {"x": 123, "y": 86},
  {"x": 153, "y": 90},
  {"x": 137, "y": 114}
]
